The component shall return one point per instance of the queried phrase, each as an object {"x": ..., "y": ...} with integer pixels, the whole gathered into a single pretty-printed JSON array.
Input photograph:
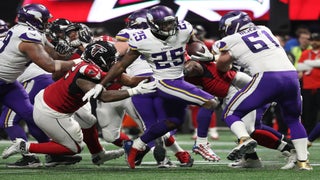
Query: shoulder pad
[
  {"x": 91, "y": 71},
  {"x": 123, "y": 35},
  {"x": 31, "y": 36}
]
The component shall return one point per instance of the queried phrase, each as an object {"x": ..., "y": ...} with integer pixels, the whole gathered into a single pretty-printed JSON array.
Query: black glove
[
  {"x": 85, "y": 34},
  {"x": 63, "y": 48}
]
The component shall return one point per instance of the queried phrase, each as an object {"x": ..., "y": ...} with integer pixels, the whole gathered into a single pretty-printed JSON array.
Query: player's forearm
[
  {"x": 113, "y": 95},
  {"x": 114, "y": 72}
]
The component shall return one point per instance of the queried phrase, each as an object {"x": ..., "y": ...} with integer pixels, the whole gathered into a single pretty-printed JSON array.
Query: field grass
[{"x": 117, "y": 169}]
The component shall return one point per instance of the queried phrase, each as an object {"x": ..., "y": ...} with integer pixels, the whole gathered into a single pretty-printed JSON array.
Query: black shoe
[
  {"x": 55, "y": 160},
  {"x": 27, "y": 161},
  {"x": 140, "y": 156},
  {"x": 159, "y": 152}
]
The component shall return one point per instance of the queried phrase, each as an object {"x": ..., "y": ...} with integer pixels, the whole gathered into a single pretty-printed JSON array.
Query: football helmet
[
  {"x": 85, "y": 33},
  {"x": 3, "y": 27},
  {"x": 137, "y": 20},
  {"x": 57, "y": 28},
  {"x": 162, "y": 21},
  {"x": 34, "y": 15},
  {"x": 234, "y": 22},
  {"x": 101, "y": 53}
]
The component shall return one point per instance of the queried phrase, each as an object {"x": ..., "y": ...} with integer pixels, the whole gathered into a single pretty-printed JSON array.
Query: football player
[
  {"x": 275, "y": 79},
  {"x": 55, "y": 105},
  {"x": 163, "y": 47},
  {"x": 23, "y": 44},
  {"x": 140, "y": 67},
  {"x": 224, "y": 86}
]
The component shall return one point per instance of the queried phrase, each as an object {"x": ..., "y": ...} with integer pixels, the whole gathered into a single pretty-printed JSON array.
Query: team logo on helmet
[{"x": 98, "y": 49}]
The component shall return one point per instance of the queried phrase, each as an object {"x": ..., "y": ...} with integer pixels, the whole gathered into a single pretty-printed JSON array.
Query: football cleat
[
  {"x": 291, "y": 159},
  {"x": 159, "y": 153},
  {"x": 185, "y": 159},
  {"x": 131, "y": 153},
  {"x": 55, "y": 160},
  {"x": 166, "y": 163},
  {"x": 104, "y": 156},
  {"x": 27, "y": 161},
  {"x": 140, "y": 156},
  {"x": 246, "y": 144},
  {"x": 246, "y": 163},
  {"x": 206, "y": 152},
  {"x": 304, "y": 165},
  {"x": 19, "y": 146}
]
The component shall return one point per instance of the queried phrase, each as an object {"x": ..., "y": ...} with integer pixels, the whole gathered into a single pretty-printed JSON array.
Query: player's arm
[
  {"x": 106, "y": 95},
  {"x": 224, "y": 62},
  {"x": 120, "y": 66},
  {"x": 37, "y": 53},
  {"x": 131, "y": 81},
  {"x": 115, "y": 95}
]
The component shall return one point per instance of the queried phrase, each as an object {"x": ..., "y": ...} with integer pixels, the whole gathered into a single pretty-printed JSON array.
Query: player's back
[
  {"x": 166, "y": 57},
  {"x": 257, "y": 49},
  {"x": 13, "y": 62}
]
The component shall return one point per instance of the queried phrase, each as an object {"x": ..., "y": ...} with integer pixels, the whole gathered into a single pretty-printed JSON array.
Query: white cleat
[
  {"x": 291, "y": 159},
  {"x": 246, "y": 144},
  {"x": 206, "y": 152},
  {"x": 19, "y": 146},
  {"x": 246, "y": 163},
  {"x": 104, "y": 156}
]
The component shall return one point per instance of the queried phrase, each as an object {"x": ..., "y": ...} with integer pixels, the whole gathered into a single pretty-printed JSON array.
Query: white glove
[
  {"x": 75, "y": 43},
  {"x": 206, "y": 56},
  {"x": 94, "y": 92},
  {"x": 143, "y": 88}
]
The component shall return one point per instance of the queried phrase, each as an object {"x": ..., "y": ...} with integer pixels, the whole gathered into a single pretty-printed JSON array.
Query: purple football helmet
[
  {"x": 101, "y": 53},
  {"x": 137, "y": 20},
  {"x": 3, "y": 27},
  {"x": 233, "y": 22},
  {"x": 162, "y": 21},
  {"x": 34, "y": 15}
]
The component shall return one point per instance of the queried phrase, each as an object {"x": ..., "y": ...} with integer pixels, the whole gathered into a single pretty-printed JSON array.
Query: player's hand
[
  {"x": 205, "y": 56},
  {"x": 63, "y": 48},
  {"x": 93, "y": 93},
  {"x": 143, "y": 88},
  {"x": 75, "y": 43},
  {"x": 84, "y": 35}
]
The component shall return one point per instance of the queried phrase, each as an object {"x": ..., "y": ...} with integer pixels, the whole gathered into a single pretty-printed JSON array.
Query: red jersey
[
  {"x": 311, "y": 80},
  {"x": 65, "y": 96},
  {"x": 213, "y": 81}
]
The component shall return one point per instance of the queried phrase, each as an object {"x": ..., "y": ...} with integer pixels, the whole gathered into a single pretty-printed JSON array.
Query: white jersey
[
  {"x": 165, "y": 57},
  {"x": 256, "y": 49},
  {"x": 139, "y": 66},
  {"x": 31, "y": 72},
  {"x": 13, "y": 62}
]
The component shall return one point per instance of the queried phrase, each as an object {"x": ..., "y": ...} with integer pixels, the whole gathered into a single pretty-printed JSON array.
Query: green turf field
[{"x": 117, "y": 169}]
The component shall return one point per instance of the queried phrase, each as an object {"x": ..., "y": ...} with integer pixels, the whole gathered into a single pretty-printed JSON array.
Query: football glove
[
  {"x": 143, "y": 88},
  {"x": 93, "y": 93},
  {"x": 205, "y": 56},
  {"x": 75, "y": 43},
  {"x": 63, "y": 48}
]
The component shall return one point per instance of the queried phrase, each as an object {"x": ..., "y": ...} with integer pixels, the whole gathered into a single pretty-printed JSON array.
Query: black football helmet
[{"x": 101, "y": 53}]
